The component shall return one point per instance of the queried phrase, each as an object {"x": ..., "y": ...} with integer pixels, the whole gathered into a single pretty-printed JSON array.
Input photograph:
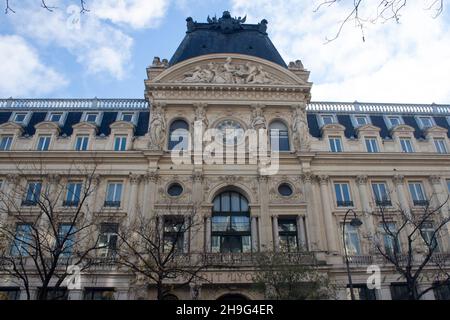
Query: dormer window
[
  {"x": 92, "y": 117},
  {"x": 360, "y": 120},
  {"x": 393, "y": 121},
  {"x": 127, "y": 117},
  {"x": 425, "y": 122},
  {"x": 325, "y": 119},
  {"x": 57, "y": 117},
  {"x": 20, "y": 117}
]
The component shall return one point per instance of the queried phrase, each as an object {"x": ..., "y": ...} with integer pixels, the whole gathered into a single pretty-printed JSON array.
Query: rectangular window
[
  {"x": 372, "y": 145},
  {"x": 120, "y": 143},
  {"x": 32, "y": 194},
  {"x": 406, "y": 145},
  {"x": 66, "y": 235},
  {"x": 287, "y": 234},
  {"x": 381, "y": 194},
  {"x": 20, "y": 117},
  {"x": 352, "y": 240},
  {"x": 114, "y": 194},
  {"x": 99, "y": 294},
  {"x": 9, "y": 293},
  {"x": 441, "y": 146},
  {"x": 82, "y": 143},
  {"x": 448, "y": 186},
  {"x": 362, "y": 292},
  {"x": 399, "y": 291},
  {"x": 174, "y": 234},
  {"x": 442, "y": 291},
  {"x": 92, "y": 117},
  {"x": 343, "y": 197},
  {"x": 394, "y": 121},
  {"x": 56, "y": 293},
  {"x": 426, "y": 122},
  {"x": 43, "y": 143},
  {"x": 359, "y": 120},
  {"x": 430, "y": 235},
  {"x": 335, "y": 144},
  {"x": 23, "y": 240},
  {"x": 327, "y": 119},
  {"x": 108, "y": 240},
  {"x": 390, "y": 238},
  {"x": 56, "y": 117},
  {"x": 127, "y": 116},
  {"x": 5, "y": 143},
  {"x": 417, "y": 194},
  {"x": 73, "y": 194}
]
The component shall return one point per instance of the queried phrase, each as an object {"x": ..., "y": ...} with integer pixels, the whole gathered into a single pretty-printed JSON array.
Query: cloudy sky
[{"x": 104, "y": 53}]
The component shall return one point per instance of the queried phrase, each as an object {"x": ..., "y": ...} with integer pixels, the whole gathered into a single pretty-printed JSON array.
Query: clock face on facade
[{"x": 231, "y": 132}]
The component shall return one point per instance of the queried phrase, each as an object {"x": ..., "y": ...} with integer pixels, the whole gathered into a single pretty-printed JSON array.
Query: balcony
[
  {"x": 251, "y": 258},
  {"x": 345, "y": 203},
  {"x": 421, "y": 203},
  {"x": 360, "y": 260},
  {"x": 112, "y": 204},
  {"x": 71, "y": 203},
  {"x": 29, "y": 203},
  {"x": 383, "y": 203}
]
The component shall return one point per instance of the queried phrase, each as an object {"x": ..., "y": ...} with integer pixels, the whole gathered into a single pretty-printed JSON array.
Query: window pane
[
  {"x": 240, "y": 223},
  {"x": 225, "y": 202},
  {"x": 235, "y": 202},
  {"x": 220, "y": 223}
]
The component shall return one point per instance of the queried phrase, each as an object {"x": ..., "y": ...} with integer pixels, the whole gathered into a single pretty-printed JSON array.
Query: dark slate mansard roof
[
  {"x": 111, "y": 107},
  {"x": 226, "y": 35}
]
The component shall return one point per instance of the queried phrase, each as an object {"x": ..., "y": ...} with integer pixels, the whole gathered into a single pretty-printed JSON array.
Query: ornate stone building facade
[{"x": 228, "y": 75}]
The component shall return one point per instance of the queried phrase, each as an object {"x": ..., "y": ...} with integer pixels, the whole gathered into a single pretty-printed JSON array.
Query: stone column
[
  {"x": 311, "y": 215},
  {"x": 276, "y": 239},
  {"x": 399, "y": 187},
  {"x": 208, "y": 233},
  {"x": 265, "y": 231},
  {"x": 330, "y": 225},
  {"x": 254, "y": 230},
  {"x": 133, "y": 197},
  {"x": 361, "y": 181},
  {"x": 301, "y": 232},
  {"x": 150, "y": 191},
  {"x": 439, "y": 198}
]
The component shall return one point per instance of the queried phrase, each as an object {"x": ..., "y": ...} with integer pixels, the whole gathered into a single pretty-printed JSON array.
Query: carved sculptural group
[{"x": 229, "y": 73}]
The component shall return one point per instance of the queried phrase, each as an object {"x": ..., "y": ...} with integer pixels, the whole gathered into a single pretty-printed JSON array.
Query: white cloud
[
  {"x": 21, "y": 71},
  {"x": 406, "y": 62},
  {"x": 99, "y": 44},
  {"x": 135, "y": 13}
]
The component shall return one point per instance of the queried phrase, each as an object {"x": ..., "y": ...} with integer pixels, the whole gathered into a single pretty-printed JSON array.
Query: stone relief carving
[
  {"x": 295, "y": 183},
  {"x": 300, "y": 129},
  {"x": 157, "y": 128},
  {"x": 200, "y": 114},
  {"x": 165, "y": 181},
  {"x": 258, "y": 120},
  {"x": 229, "y": 73},
  {"x": 212, "y": 182}
]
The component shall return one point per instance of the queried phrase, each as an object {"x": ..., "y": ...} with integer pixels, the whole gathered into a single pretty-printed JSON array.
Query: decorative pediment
[
  {"x": 333, "y": 127},
  {"x": 231, "y": 69},
  {"x": 368, "y": 129},
  {"x": 48, "y": 126},
  {"x": 86, "y": 126},
  {"x": 436, "y": 130},
  {"x": 11, "y": 127},
  {"x": 402, "y": 128},
  {"x": 122, "y": 125}
]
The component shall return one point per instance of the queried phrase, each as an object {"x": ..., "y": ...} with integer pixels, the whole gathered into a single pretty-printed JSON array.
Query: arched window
[
  {"x": 230, "y": 223},
  {"x": 279, "y": 136},
  {"x": 179, "y": 135}
]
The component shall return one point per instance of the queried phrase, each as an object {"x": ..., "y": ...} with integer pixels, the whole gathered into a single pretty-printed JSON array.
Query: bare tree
[
  {"x": 46, "y": 6},
  {"x": 47, "y": 225},
  {"x": 291, "y": 276},
  {"x": 421, "y": 229},
  {"x": 156, "y": 248},
  {"x": 376, "y": 11}
]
